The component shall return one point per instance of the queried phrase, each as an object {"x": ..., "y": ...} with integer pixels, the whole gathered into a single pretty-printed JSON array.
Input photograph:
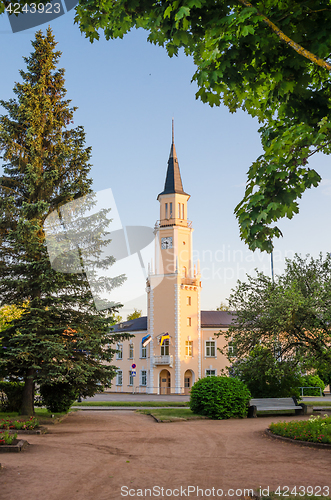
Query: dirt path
[{"x": 91, "y": 455}]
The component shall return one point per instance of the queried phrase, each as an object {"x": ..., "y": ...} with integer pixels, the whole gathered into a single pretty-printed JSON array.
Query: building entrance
[{"x": 165, "y": 382}]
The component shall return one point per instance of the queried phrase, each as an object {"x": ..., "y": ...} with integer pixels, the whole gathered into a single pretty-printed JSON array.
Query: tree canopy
[
  {"x": 270, "y": 58},
  {"x": 135, "y": 314},
  {"x": 60, "y": 337},
  {"x": 290, "y": 317}
]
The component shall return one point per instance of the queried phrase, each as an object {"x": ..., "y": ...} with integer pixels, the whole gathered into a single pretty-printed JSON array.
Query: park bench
[{"x": 272, "y": 404}]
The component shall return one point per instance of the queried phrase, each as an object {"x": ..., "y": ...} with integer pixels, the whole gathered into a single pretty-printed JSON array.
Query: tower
[{"x": 173, "y": 289}]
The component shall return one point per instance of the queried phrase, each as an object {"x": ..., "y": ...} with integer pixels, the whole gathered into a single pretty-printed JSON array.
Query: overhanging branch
[{"x": 298, "y": 48}]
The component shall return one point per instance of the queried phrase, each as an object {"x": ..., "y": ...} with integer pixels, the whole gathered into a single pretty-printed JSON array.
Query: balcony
[
  {"x": 190, "y": 281},
  {"x": 163, "y": 360},
  {"x": 173, "y": 222}
]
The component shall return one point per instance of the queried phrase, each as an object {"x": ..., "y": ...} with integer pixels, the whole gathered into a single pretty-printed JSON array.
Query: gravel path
[{"x": 91, "y": 455}]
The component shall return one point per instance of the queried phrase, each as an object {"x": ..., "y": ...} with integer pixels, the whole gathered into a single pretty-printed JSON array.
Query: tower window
[
  {"x": 182, "y": 210},
  {"x": 179, "y": 214},
  {"x": 188, "y": 301},
  {"x": 189, "y": 348},
  {"x": 166, "y": 210},
  {"x": 170, "y": 210},
  {"x": 189, "y": 321}
]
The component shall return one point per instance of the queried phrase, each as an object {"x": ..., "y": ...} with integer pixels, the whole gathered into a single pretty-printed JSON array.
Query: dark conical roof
[{"x": 173, "y": 182}]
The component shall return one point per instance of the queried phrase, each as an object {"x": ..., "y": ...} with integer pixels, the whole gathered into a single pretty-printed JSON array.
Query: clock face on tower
[{"x": 166, "y": 242}]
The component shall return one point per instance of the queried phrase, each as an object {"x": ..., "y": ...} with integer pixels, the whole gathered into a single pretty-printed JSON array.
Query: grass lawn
[
  {"x": 133, "y": 403},
  {"x": 172, "y": 414},
  {"x": 43, "y": 415},
  {"x": 318, "y": 403}
]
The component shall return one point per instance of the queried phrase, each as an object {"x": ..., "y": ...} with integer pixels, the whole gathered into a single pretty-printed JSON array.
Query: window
[
  {"x": 143, "y": 377},
  {"x": 188, "y": 348},
  {"x": 166, "y": 210},
  {"x": 165, "y": 348},
  {"x": 184, "y": 273},
  {"x": 210, "y": 373},
  {"x": 187, "y": 382},
  {"x": 188, "y": 301},
  {"x": 119, "y": 354},
  {"x": 170, "y": 204},
  {"x": 119, "y": 377},
  {"x": 231, "y": 349},
  {"x": 131, "y": 351},
  {"x": 182, "y": 210},
  {"x": 210, "y": 348},
  {"x": 179, "y": 211},
  {"x": 189, "y": 321},
  {"x": 130, "y": 377},
  {"x": 143, "y": 352}
]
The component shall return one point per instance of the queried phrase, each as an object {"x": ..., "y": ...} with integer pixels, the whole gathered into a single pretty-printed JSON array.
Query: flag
[
  {"x": 164, "y": 337},
  {"x": 146, "y": 340}
]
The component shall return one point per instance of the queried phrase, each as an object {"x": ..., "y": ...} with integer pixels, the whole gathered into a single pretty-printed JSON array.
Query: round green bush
[
  {"x": 312, "y": 381},
  {"x": 220, "y": 398},
  {"x": 58, "y": 397}
]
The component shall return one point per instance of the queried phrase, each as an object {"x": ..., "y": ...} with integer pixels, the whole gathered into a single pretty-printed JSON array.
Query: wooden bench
[{"x": 272, "y": 404}]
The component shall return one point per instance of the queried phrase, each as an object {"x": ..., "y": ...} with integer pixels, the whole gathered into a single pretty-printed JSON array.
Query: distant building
[{"x": 175, "y": 344}]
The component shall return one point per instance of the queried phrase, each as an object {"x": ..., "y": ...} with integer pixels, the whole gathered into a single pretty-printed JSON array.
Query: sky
[{"x": 127, "y": 92}]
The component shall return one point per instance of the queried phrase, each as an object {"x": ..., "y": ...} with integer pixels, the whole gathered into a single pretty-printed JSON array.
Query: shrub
[
  {"x": 11, "y": 396},
  {"x": 220, "y": 398},
  {"x": 312, "y": 381},
  {"x": 267, "y": 377},
  {"x": 58, "y": 397}
]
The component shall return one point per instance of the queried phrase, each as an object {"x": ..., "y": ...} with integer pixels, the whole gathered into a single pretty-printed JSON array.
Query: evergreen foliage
[
  {"x": 59, "y": 337},
  {"x": 220, "y": 398}
]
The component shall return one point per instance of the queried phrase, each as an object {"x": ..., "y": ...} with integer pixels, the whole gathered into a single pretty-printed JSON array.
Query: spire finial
[{"x": 173, "y": 133}]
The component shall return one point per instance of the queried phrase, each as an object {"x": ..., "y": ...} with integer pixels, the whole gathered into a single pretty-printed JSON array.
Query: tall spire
[{"x": 173, "y": 182}]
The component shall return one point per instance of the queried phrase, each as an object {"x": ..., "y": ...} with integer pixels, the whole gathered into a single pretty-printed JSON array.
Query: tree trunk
[{"x": 28, "y": 394}]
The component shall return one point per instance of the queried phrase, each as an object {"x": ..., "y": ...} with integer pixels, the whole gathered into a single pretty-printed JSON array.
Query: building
[{"x": 175, "y": 344}]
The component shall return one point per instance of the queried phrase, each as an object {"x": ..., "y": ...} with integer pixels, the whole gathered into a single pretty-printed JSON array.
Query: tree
[
  {"x": 290, "y": 317},
  {"x": 222, "y": 307},
  {"x": 270, "y": 58},
  {"x": 266, "y": 376},
  {"x": 60, "y": 337},
  {"x": 136, "y": 314}
]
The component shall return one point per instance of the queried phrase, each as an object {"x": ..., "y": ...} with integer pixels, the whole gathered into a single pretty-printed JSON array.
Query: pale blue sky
[{"x": 127, "y": 92}]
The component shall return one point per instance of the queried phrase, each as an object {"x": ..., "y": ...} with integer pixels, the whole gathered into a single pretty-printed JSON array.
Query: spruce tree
[{"x": 60, "y": 336}]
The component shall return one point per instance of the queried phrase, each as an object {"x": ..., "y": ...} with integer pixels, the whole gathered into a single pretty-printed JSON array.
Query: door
[
  {"x": 165, "y": 382},
  {"x": 187, "y": 382}
]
